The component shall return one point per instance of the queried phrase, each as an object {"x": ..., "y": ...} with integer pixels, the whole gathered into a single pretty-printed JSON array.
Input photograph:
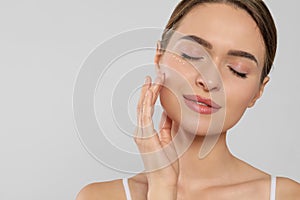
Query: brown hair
[{"x": 257, "y": 9}]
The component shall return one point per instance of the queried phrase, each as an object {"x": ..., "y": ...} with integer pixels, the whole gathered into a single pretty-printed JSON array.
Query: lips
[{"x": 201, "y": 105}]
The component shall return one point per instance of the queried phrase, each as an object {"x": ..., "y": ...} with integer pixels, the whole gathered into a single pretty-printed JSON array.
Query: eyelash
[
  {"x": 190, "y": 57},
  {"x": 239, "y": 74}
]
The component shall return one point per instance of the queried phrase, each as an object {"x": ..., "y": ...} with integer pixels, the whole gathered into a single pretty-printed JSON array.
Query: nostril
[
  {"x": 208, "y": 85},
  {"x": 201, "y": 84}
]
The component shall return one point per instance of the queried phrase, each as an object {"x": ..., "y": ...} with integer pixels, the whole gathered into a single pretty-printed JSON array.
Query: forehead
[{"x": 225, "y": 27}]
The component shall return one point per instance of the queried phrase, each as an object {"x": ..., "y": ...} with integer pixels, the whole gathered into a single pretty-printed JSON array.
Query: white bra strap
[
  {"x": 126, "y": 188},
  {"x": 273, "y": 188}
]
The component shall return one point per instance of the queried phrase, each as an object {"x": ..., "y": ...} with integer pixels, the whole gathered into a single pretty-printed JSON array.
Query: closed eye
[
  {"x": 239, "y": 74},
  {"x": 185, "y": 56}
]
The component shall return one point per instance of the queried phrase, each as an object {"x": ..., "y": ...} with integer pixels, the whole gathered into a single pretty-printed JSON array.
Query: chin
[
  {"x": 196, "y": 124},
  {"x": 203, "y": 127}
]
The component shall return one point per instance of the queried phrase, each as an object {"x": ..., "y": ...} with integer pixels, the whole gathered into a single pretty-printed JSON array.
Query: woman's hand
[{"x": 158, "y": 153}]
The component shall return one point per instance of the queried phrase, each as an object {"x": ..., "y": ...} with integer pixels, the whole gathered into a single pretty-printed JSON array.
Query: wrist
[
  {"x": 156, "y": 181},
  {"x": 162, "y": 192}
]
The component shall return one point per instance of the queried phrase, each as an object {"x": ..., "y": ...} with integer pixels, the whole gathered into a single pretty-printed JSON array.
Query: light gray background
[{"x": 42, "y": 45}]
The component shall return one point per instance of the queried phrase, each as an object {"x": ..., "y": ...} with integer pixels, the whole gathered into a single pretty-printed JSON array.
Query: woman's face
[{"x": 212, "y": 67}]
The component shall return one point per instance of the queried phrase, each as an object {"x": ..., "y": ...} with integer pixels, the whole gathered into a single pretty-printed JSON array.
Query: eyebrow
[
  {"x": 242, "y": 54},
  {"x": 208, "y": 45},
  {"x": 198, "y": 40}
]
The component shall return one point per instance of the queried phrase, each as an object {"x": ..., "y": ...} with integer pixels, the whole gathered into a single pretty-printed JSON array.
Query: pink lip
[{"x": 209, "y": 107}]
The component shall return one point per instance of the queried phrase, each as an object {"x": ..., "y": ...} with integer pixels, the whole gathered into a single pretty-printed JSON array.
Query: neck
[{"x": 219, "y": 163}]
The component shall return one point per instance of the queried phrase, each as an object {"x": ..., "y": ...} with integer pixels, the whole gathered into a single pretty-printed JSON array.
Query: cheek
[
  {"x": 170, "y": 104},
  {"x": 177, "y": 72},
  {"x": 238, "y": 98},
  {"x": 177, "y": 76}
]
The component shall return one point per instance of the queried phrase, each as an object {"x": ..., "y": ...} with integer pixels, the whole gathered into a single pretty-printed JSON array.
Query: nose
[{"x": 208, "y": 78}]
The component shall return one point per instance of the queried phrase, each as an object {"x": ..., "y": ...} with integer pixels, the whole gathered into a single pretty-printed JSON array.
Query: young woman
[{"x": 212, "y": 64}]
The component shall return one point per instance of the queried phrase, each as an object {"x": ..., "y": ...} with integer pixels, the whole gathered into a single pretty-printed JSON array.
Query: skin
[{"x": 219, "y": 175}]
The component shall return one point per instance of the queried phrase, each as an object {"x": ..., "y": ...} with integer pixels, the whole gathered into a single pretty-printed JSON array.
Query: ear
[
  {"x": 158, "y": 54},
  {"x": 260, "y": 91}
]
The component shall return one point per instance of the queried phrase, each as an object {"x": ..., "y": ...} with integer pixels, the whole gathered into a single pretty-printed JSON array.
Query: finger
[
  {"x": 145, "y": 87},
  {"x": 146, "y": 118},
  {"x": 166, "y": 122},
  {"x": 165, "y": 129},
  {"x": 148, "y": 140},
  {"x": 156, "y": 87},
  {"x": 166, "y": 139},
  {"x": 138, "y": 130}
]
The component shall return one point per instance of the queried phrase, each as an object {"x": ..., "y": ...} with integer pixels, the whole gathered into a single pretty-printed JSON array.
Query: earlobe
[{"x": 260, "y": 92}]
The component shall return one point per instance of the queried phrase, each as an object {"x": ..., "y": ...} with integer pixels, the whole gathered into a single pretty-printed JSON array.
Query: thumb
[{"x": 165, "y": 129}]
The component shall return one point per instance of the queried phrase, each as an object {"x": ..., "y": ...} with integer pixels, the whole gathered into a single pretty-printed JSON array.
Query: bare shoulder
[
  {"x": 104, "y": 190},
  {"x": 287, "y": 189}
]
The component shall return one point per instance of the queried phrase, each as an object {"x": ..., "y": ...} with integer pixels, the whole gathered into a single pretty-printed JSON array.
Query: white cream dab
[{"x": 178, "y": 59}]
